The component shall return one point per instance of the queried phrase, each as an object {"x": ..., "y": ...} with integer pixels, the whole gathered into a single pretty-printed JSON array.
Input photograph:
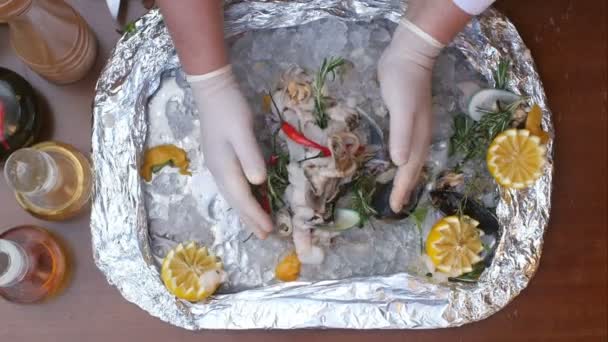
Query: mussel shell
[
  {"x": 449, "y": 202},
  {"x": 381, "y": 202}
]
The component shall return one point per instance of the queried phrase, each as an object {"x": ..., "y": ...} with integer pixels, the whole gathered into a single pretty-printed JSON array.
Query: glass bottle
[
  {"x": 20, "y": 119},
  {"x": 33, "y": 265},
  {"x": 50, "y": 37},
  {"x": 51, "y": 180}
]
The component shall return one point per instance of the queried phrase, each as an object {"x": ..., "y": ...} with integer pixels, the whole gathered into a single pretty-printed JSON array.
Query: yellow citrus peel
[
  {"x": 533, "y": 124},
  {"x": 454, "y": 244},
  {"x": 288, "y": 269},
  {"x": 160, "y": 156},
  {"x": 191, "y": 273}
]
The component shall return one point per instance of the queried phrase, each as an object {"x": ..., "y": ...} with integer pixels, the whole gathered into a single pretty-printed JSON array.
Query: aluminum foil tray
[{"x": 369, "y": 280}]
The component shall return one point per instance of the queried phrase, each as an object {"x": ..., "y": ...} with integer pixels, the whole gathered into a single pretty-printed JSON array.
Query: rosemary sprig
[
  {"x": 418, "y": 216},
  {"x": 466, "y": 137},
  {"x": 501, "y": 74},
  {"x": 277, "y": 181},
  {"x": 471, "y": 190},
  {"x": 494, "y": 122},
  {"x": 328, "y": 68},
  {"x": 472, "y": 139},
  {"x": 363, "y": 191}
]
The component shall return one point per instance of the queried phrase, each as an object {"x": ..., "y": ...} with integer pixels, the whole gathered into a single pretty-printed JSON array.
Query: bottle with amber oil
[
  {"x": 51, "y": 180},
  {"x": 33, "y": 265},
  {"x": 19, "y": 113}
]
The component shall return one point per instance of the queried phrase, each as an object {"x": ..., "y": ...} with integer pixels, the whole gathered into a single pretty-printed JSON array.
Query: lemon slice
[
  {"x": 454, "y": 244},
  {"x": 191, "y": 272},
  {"x": 516, "y": 158}
]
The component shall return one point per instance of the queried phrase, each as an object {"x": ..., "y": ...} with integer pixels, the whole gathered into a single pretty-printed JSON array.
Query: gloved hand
[
  {"x": 404, "y": 72},
  {"x": 229, "y": 146}
]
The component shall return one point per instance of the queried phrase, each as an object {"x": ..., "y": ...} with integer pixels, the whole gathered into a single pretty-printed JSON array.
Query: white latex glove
[
  {"x": 404, "y": 72},
  {"x": 229, "y": 146}
]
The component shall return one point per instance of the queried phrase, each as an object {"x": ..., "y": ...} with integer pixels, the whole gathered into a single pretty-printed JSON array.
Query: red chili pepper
[
  {"x": 273, "y": 160},
  {"x": 264, "y": 199},
  {"x": 3, "y": 141},
  {"x": 293, "y": 134}
]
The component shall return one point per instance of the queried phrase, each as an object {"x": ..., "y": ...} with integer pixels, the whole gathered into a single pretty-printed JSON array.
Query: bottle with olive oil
[{"x": 51, "y": 180}]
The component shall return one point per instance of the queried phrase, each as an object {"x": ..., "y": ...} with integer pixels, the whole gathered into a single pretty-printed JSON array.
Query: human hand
[
  {"x": 229, "y": 146},
  {"x": 404, "y": 72}
]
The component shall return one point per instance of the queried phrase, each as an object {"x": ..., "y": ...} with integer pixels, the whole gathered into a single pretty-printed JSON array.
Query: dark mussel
[
  {"x": 381, "y": 201},
  {"x": 450, "y": 202},
  {"x": 453, "y": 203}
]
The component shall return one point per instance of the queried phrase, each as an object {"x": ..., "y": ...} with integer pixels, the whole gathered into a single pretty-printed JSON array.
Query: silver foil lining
[{"x": 120, "y": 217}]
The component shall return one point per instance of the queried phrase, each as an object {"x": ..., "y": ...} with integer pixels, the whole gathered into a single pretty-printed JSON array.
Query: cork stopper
[{"x": 10, "y": 9}]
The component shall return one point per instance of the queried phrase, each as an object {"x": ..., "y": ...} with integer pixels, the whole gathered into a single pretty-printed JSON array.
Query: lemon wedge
[
  {"x": 289, "y": 268},
  {"x": 191, "y": 273},
  {"x": 454, "y": 245},
  {"x": 515, "y": 158},
  {"x": 533, "y": 124}
]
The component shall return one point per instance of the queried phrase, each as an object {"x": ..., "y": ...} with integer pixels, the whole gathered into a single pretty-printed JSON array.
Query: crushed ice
[{"x": 183, "y": 208}]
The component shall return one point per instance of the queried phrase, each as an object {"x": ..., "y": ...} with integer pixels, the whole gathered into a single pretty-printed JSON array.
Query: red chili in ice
[
  {"x": 293, "y": 134},
  {"x": 3, "y": 141},
  {"x": 273, "y": 160},
  {"x": 264, "y": 199}
]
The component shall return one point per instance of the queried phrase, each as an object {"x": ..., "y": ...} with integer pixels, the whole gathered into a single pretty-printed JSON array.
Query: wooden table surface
[{"x": 566, "y": 300}]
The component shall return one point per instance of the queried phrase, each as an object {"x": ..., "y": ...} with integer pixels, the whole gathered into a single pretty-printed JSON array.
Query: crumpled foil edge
[{"x": 402, "y": 301}]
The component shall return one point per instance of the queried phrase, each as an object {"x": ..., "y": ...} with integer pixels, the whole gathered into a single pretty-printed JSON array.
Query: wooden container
[{"x": 50, "y": 37}]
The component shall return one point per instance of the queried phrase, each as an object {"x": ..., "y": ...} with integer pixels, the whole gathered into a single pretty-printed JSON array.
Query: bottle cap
[
  {"x": 31, "y": 172},
  {"x": 13, "y": 263}
]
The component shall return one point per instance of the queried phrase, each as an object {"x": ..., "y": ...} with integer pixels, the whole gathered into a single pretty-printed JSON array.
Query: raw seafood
[{"x": 329, "y": 155}]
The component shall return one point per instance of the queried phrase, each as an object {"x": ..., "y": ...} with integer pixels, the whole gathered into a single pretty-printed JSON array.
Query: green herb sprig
[
  {"x": 467, "y": 137},
  {"x": 278, "y": 180},
  {"x": 501, "y": 74},
  {"x": 328, "y": 68},
  {"x": 471, "y": 189},
  {"x": 363, "y": 191},
  {"x": 471, "y": 138},
  {"x": 128, "y": 30},
  {"x": 472, "y": 276},
  {"x": 419, "y": 215},
  {"x": 494, "y": 122}
]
